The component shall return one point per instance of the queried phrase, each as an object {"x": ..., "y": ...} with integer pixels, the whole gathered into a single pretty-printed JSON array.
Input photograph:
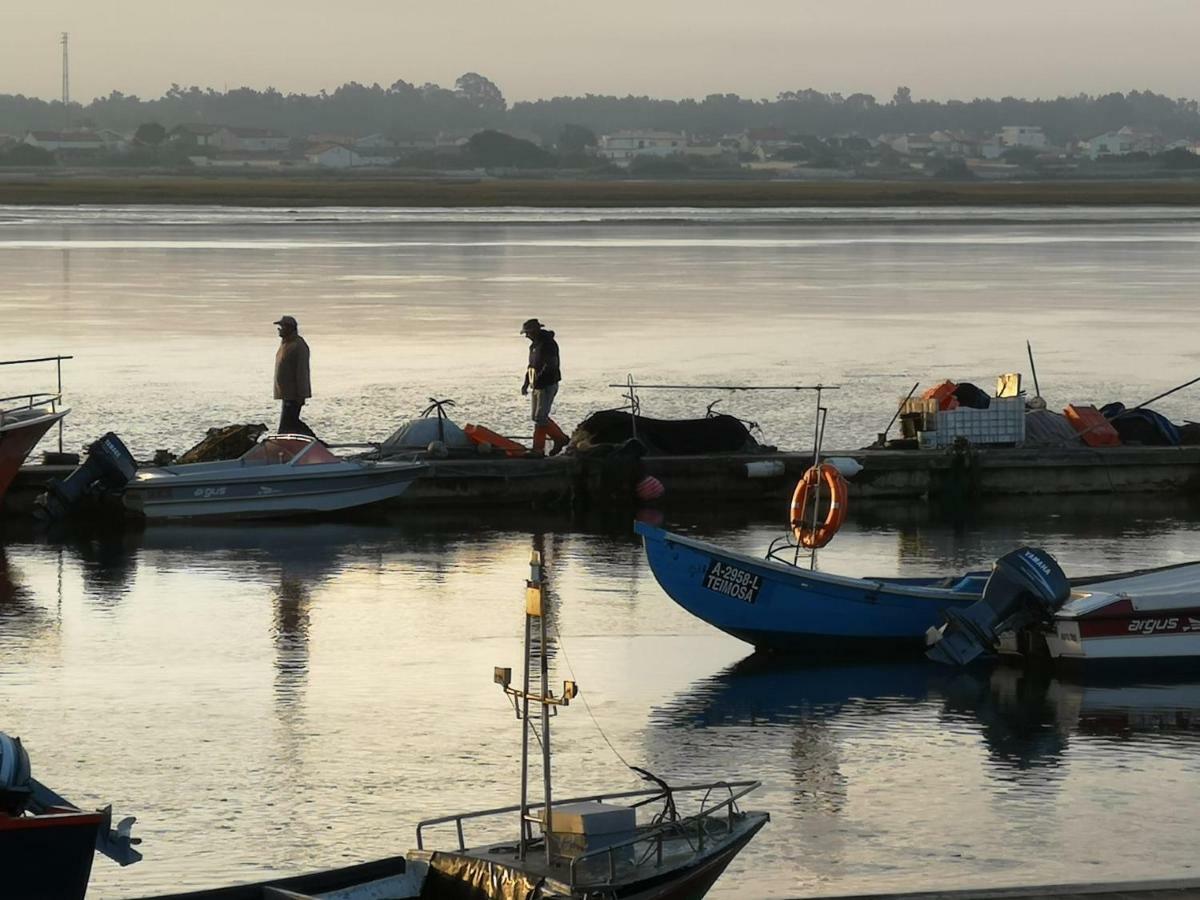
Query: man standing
[
  {"x": 292, "y": 382},
  {"x": 542, "y": 377}
]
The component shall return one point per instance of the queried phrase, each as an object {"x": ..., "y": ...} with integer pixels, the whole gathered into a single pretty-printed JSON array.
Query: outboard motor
[
  {"x": 15, "y": 780},
  {"x": 21, "y": 793},
  {"x": 1026, "y": 586},
  {"x": 109, "y": 466}
]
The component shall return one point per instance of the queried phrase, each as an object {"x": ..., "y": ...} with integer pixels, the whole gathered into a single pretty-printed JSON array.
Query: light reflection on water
[
  {"x": 168, "y": 310},
  {"x": 279, "y": 698}
]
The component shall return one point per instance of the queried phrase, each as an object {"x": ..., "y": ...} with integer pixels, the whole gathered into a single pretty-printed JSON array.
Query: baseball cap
[
  {"x": 285, "y": 320},
  {"x": 531, "y": 325}
]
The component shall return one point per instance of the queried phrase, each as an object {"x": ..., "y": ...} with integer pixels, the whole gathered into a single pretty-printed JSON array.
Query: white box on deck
[{"x": 591, "y": 818}]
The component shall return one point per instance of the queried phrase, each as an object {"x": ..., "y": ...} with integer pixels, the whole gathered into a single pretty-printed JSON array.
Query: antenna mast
[
  {"x": 536, "y": 607},
  {"x": 66, "y": 84}
]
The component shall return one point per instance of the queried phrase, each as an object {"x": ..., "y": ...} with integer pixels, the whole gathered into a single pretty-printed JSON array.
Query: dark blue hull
[{"x": 784, "y": 608}]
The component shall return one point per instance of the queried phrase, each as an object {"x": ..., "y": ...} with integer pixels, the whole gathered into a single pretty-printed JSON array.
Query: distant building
[
  {"x": 250, "y": 140},
  {"x": 65, "y": 141},
  {"x": 194, "y": 136},
  {"x": 953, "y": 144},
  {"x": 912, "y": 144},
  {"x": 1124, "y": 142},
  {"x": 1023, "y": 136},
  {"x": 622, "y": 146},
  {"x": 333, "y": 156}
]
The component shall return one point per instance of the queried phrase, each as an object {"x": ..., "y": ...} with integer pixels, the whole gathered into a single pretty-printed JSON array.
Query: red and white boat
[
  {"x": 1153, "y": 615},
  {"x": 1030, "y": 608},
  {"x": 24, "y": 421},
  {"x": 47, "y": 844},
  {"x": 20, "y": 431}
]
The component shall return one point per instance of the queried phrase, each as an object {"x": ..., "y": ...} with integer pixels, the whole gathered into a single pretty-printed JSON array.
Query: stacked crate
[{"x": 1003, "y": 422}]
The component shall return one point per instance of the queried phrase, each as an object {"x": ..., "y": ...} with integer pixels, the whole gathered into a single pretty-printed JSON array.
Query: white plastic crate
[{"x": 1001, "y": 423}]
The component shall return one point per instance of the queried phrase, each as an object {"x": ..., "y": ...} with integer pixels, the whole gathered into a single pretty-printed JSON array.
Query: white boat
[
  {"x": 282, "y": 475},
  {"x": 1153, "y": 615},
  {"x": 1030, "y": 608}
]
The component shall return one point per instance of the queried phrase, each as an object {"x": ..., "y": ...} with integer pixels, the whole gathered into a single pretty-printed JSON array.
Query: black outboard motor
[
  {"x": 1026, "y": 586},
  {"x": 108, "y": 467}
]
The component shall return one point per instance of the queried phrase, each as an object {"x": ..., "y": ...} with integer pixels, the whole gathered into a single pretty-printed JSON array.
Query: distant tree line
[{"x": 476, "y": 103}]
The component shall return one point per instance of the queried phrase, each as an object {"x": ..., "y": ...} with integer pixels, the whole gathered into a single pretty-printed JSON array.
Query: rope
[{"x": 583, "y": 696}]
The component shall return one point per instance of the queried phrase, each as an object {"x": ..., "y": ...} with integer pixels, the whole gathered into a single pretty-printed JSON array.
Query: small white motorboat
[
  {"x": 1030, "y": 608},
  {"x": 282, "y": 475}
]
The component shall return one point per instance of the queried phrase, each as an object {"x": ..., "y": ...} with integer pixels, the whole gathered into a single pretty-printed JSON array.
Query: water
[
  {"x": 277, "y": 698},
  {"x": 168, "y": 311}
]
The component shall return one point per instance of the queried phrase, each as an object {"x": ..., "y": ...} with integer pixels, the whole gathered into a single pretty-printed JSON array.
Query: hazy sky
[{"x": 667, "y": 48}]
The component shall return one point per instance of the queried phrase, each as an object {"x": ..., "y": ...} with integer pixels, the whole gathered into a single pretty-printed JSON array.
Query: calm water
[
  {"x": 274, "y": 698},
  {"x": 168, "y": 311}
]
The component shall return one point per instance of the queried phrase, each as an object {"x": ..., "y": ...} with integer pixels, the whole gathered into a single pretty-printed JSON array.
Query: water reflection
[{"x": 1027, "y": 720}]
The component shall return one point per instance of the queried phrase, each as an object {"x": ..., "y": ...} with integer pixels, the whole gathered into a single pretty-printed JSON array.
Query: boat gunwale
[
  {"x": 875, "y": 584},
  {"x": 651, "y": 794}
]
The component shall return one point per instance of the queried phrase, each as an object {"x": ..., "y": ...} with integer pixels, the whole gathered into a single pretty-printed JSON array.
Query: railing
[
  {"x": 37, "y": 398},
  {"x": 654, "y": 838}
]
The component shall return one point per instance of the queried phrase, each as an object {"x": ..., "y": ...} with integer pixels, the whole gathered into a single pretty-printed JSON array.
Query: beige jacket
[{"x": 292, "y": 381}]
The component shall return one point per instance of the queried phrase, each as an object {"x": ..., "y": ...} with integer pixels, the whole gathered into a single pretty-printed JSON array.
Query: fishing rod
[{"x": 896, "y": 415}]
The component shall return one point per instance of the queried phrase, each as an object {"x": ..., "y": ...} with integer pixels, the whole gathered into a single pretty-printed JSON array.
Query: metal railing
[
  {"x": 654, "y": 836},
  {"x": 37, "y": 398}
]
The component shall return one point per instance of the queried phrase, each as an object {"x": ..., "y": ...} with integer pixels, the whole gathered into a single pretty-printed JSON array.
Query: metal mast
[
  {"x": 66, "y": 85},
  {"x": 536, "y": 608}
]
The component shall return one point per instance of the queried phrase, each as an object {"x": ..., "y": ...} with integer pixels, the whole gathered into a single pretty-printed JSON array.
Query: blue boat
[{"x": 781, "y": 607}]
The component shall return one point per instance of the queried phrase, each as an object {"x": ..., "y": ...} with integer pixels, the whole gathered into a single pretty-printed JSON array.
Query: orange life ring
[{"x": 839, "y": 492}]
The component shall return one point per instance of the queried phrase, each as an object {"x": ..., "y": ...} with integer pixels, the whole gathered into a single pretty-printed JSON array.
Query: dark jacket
[
  {"x": 292, "y": 381},
  {"x": 543, "y": 368}
]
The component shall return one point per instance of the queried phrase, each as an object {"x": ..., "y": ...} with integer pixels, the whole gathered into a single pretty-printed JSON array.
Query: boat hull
[
  {"x": 17, "y": 440},
  {"x": 300, "y": 493},
  {"x": 48, "y": 857},
  {"x": 783, "y": 608}
]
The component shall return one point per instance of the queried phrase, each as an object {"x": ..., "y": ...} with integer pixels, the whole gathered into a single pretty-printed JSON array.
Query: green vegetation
[{"x": 475, "y": 103}]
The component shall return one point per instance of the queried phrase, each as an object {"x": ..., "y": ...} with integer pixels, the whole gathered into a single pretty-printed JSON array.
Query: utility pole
[{"x": 66, "y": 86}]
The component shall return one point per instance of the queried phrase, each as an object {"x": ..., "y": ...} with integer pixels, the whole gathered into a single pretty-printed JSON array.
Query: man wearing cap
[
  {"x": 542, "y": 378},
  {"x": 292, "y": 382}
]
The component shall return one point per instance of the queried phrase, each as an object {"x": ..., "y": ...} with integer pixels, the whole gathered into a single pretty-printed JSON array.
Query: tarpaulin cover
[
  {"x": 668, "y": 437},
  {"x": 1141, "y": 426},
  {"x": 454, "y": 877},
  {"x": 1044, "y": 428},
  {"x": 420, "y": 433}
]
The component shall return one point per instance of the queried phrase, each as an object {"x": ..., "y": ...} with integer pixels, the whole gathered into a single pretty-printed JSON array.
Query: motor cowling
[
  {"x": 109, "y": 466},
  {"x": 1026, "y": 586},
  {"x": 16, "y": 782}
]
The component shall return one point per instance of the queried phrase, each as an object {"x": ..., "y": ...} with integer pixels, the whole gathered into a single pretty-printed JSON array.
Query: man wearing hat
[
  {"x": 542, "y": 378},
  {"x": 292, "y": 382}
]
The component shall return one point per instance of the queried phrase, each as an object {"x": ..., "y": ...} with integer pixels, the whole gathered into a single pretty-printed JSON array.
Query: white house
[
  {"x": 333, "y": 156},
  {"x": 249, "y": 140},
  {"x": 1122, "y": 143},
  {"x": 623, "y": 146},
  {"x": 54, "y": 141},
  {"x": 1023, "y": 136},
  {"x": 912, "y": 144},
  {"x": 195, "y": 135}
]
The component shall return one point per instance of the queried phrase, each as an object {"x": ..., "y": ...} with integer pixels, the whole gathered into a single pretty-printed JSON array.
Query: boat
[
  {"x": 24, "y": 421},
  {"x": 1030, "y": 609},
  {"x": 282, "y": 475},
  {"x": 662, "y": 843},
  {"x": 779, "y": 606},
  {"x": 47, "y": 844}
]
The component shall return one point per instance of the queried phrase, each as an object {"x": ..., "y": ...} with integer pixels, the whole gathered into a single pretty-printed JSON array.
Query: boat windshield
[{"x": 280, "y": 451}]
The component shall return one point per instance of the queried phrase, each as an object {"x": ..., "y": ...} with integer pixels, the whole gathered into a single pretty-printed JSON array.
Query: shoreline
[{"x": 260, "y": 190}]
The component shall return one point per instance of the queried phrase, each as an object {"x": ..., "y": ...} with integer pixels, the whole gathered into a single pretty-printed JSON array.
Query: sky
[{"x": 664, "y": 48}]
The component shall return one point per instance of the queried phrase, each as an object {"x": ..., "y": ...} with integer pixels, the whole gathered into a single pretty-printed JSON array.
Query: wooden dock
[{"x": 601, "y": 482}]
